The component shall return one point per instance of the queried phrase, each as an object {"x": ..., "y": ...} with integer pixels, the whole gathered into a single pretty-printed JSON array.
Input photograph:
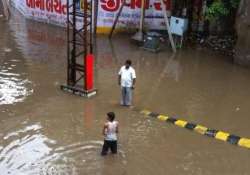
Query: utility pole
[
  {"x": 170, "y": 36},
  {"x": 139, "y": 35}
]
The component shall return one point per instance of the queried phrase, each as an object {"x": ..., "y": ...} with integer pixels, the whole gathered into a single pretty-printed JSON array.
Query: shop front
[{"x": 54, "y": 12}]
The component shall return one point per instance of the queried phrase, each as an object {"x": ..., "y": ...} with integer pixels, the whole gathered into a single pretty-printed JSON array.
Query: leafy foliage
[{"x": 219, "y": 9}]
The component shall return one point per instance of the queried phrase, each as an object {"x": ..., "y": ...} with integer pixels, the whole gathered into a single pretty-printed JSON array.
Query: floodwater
[{"x": 44, "y": 131}]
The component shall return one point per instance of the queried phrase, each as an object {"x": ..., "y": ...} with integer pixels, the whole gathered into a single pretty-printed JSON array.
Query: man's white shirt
[{"x": 127, "y": 76}]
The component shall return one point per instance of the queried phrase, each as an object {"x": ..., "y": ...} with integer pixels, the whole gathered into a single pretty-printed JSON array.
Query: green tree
[{"x": 221, "y": 8}]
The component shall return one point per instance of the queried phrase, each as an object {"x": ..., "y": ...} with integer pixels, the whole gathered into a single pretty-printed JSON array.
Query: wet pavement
[{"x": 46, "y": 131}]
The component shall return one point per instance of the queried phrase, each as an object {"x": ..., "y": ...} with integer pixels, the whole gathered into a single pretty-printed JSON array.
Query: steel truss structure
[{"x": 79, "y": 46}]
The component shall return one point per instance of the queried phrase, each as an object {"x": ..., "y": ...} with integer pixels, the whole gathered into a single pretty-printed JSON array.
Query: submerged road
[{"x": 46, "y": 131}]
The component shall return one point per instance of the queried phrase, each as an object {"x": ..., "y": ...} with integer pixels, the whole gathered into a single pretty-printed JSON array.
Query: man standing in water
[{"x": 126, "y": 80}]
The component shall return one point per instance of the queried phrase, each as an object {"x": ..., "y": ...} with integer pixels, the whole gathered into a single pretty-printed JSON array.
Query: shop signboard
[
  {"x": 130, "y": 15},
  {"x": 54, "y": 12}
]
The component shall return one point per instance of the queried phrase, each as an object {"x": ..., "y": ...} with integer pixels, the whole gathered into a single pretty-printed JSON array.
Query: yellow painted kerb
[
  {"x": 145, "y": 112},
  {"x": 162, "y": 117},
  {"x": 244, "y": 142},
  {"x": 107, "y": 30},
  {"x": 181, "y": 123},
  {"x": 222, "y": 136},
  {"x": 201, "y": 129}
]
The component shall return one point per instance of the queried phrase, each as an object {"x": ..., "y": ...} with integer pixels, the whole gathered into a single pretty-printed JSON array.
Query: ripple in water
[
  {"x": 27, "y": 151},
  {"x": 13, "y": 88},
  {"x": 6, "y": 49}
]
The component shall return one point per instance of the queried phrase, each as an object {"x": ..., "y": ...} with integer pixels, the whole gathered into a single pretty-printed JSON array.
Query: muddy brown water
[{"x": 46, "y": 131}]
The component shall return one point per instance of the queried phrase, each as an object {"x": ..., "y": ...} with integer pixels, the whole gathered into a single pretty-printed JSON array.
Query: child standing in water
[{"x": 110, "y": 131}]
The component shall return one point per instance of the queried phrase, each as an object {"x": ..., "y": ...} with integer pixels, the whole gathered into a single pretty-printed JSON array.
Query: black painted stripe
[
  {"x": 211, "y": 132},
  {"x": 190, "y": 126},
  {"x": 171, "y": 120},
  {"x": 233, "y": 139},
  {"x": 152, "y": 114}
]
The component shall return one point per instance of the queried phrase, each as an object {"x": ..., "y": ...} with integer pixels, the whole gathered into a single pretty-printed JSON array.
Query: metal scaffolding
[{"x": 79, "y": 46}]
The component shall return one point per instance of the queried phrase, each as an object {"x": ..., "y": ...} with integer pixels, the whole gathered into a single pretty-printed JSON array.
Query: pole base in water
[
  {"x": 79, "y": 91},
  {"x": 138, "y": 36}
]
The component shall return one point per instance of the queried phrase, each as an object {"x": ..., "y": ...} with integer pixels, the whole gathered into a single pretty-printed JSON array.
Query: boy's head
[
  {"x": 128, "y": 63},
  {"x": 111, "y": 116}
]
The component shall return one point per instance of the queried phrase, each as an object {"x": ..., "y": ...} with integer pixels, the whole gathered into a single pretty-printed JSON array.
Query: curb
[{"x": 217, "y": 134}]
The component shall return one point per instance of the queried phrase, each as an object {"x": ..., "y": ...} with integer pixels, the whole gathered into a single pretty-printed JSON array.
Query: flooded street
[{"x": 45, "y": 131}]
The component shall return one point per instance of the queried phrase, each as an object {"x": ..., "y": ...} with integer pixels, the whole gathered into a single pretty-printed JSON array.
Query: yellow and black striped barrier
[{"x": 219, "y": 135}]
